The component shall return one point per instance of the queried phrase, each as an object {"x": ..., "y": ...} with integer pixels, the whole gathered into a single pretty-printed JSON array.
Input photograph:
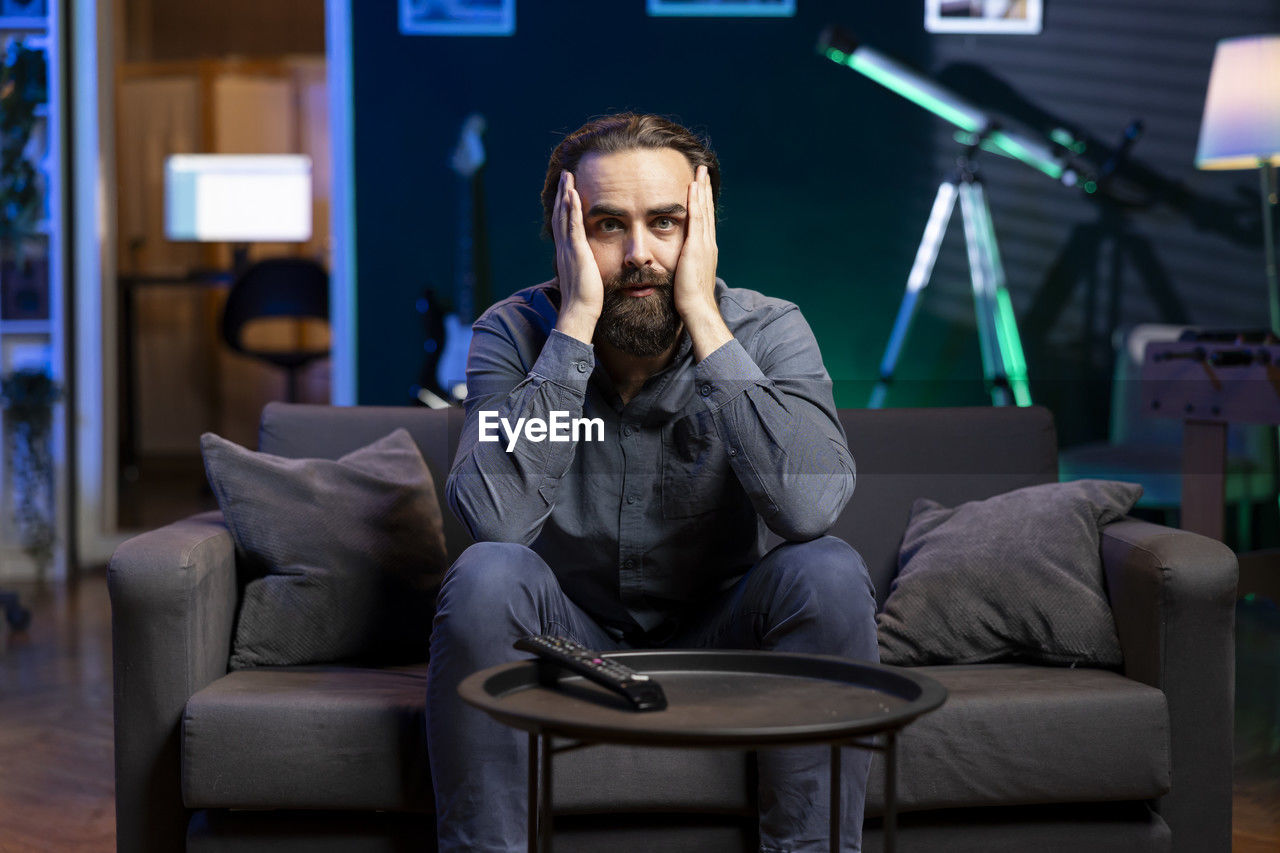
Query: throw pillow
[
  {"x": 343, "y": 557},
  {"x": 1015, "y": 577}
]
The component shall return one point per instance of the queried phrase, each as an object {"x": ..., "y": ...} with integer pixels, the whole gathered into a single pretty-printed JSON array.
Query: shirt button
[
  {"x": 629, "y": 564},
  {"x": 582, "y": 367},
  {"x": 631, "y": 499},
  {"x": 705, "y": 389},
  {"x": 732, "y": 452},
  {"x": 626, "y": 430}
]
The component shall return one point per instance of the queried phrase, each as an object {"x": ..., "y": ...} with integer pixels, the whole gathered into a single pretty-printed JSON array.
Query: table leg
[
  {"x": 1204, "y": 455},
  {"x": 534, "y": 804},
  {"x": 890, "y": 791},
  {"x": 835, "y": 798},
  {"x": 544, "y": 806}
]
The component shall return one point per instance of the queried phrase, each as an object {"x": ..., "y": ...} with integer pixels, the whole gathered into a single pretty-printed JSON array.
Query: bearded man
[{"x": 718, "y": 426}]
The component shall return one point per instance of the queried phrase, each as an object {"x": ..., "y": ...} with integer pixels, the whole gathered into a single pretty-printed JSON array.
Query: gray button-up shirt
[{"x": 673, "y": 504}]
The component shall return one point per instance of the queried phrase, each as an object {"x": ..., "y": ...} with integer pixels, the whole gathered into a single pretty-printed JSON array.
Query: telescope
[
  {"x": 1004, "y": 366},
  {"x": 843, "y": 48}
]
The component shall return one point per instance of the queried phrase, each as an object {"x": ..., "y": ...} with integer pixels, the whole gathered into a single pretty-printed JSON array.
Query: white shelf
[
  {"x": 24, "y": 25},
  {"x": 26, "y": 327},
  {"x": 38, "y": 343}
]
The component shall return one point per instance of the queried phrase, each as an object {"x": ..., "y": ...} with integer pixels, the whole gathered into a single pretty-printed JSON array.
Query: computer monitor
[{"x": 238, "y": 198}]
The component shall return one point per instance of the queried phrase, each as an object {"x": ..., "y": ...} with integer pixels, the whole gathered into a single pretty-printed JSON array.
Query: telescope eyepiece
[{"x": 838, "y": 38}]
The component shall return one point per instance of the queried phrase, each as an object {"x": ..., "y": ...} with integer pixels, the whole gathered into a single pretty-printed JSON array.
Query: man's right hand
[{"x": 581, "y": 288}]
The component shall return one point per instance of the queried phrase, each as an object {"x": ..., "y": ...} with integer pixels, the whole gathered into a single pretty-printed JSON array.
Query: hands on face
[
  {"x": 696, "y": 270},
  {"x": 581, "y": 287}
]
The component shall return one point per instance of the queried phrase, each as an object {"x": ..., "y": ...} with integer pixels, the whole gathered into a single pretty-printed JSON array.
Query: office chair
[
  {"x": 281, "y": 288},
  {"x": 1148, "y": 450}
]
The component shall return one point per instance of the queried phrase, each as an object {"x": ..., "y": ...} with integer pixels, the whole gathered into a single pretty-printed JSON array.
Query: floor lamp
[{"x": 1241, "y": 129}]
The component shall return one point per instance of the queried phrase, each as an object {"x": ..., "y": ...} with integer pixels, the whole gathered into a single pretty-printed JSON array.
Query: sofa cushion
[
  {"x": 1017, "y": 576},
  {"x": 1011, "y": 734},
  {"x": 322, "y": 737},
  {"x": 300, "y": 431},
  {"x": 315, "y": 737},
  {"x": 952, "y": 455},
  {"x": 343, "y": 557},
  {"x": 343, "y": 737}
]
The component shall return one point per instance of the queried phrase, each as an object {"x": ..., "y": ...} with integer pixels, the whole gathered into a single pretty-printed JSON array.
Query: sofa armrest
[
  {"x": 1173, "y": 595},
  {"x": 173, "y": 601}
]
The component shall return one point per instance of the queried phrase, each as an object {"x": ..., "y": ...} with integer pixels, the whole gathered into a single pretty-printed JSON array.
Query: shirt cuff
[
  {"x": 726, "y": 373},
  {"x": 566, "y": 361}
]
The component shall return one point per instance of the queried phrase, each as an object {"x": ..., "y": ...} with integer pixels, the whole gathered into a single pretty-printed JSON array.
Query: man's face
[{"x": 634, "y": 212}]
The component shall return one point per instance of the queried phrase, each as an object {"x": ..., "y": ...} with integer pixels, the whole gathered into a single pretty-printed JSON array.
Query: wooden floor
[
  {"x": 56, "y": 779},
  {"x": 56, "y": 791}
]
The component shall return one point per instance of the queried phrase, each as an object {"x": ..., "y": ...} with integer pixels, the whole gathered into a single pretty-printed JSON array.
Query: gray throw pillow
[
  {"x": 342, "y": 558},
  {"x": 1015, "y": 577}
]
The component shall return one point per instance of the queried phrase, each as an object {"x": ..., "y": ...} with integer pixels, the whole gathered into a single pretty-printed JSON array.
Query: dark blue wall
[
  {"x": 816, "y": 160},
  {"x": 828, "y": 178}
]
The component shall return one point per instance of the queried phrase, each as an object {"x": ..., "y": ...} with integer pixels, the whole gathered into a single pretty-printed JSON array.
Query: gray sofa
[{"x": 1019, "y": 758}]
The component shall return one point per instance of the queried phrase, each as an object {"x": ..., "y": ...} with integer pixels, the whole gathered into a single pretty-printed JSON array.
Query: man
[{"x": 718, "y": 426}]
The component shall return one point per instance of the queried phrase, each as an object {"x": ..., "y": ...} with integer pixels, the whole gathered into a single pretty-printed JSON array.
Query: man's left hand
[{"x": 695, "y": 279}]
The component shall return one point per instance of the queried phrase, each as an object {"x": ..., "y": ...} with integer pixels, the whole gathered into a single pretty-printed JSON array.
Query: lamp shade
[{"x": 1241, "y": 124}]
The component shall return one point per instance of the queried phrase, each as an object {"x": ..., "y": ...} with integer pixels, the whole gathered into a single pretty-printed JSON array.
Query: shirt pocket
[{"x": 695, "y": 468}]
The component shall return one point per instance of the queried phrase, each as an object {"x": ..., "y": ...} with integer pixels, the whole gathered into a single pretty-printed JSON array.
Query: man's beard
[{"x": 640, "y": 325}]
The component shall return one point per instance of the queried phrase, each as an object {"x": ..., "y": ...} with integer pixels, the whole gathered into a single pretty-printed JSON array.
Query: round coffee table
[{"x": 715, "y": 698}]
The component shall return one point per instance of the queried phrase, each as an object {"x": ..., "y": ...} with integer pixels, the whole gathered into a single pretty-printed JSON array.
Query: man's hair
[{"x": 625, "y": 132}]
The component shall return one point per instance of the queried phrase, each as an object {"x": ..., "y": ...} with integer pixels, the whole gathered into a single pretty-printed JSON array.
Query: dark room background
[{"x": 828, "y": 177}]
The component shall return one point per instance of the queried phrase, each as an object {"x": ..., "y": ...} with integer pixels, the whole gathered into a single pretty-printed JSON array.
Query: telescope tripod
[{"x": 1003, "y": 365}]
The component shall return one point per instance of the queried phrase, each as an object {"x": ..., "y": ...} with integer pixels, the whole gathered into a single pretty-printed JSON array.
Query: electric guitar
[
  {"x": 427, "y": 390},
  {"x": 470, "y": 271}
]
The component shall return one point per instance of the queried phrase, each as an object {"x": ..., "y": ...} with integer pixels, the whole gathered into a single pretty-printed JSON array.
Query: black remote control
[{"x": 560, "y": 652}]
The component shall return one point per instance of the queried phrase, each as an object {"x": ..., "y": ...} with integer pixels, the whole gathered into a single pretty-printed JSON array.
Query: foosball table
[{"x": 1210, "y": 379}]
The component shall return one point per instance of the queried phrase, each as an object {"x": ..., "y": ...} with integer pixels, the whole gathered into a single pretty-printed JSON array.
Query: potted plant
[
  {"x": 23, "y": 88},
  {"x": 28, "y": 396}
]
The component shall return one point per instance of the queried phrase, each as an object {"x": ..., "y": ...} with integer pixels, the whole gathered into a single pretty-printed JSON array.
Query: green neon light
[
  {"x": 1011, "y": 348},
  {"x": 912, "y": 93},
  {"x": 1018, "y": 152},
  {"x": 966, "y": 138},
  {"x": 997, "y": 142},
  {"x": 1063, "y": 137}
]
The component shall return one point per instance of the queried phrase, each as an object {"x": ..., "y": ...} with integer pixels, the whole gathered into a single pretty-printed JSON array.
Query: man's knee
[
  {"x": 491, "y": 579},
  {"x": 822, "y": 590},
  {"x": 825, "y": 571}
]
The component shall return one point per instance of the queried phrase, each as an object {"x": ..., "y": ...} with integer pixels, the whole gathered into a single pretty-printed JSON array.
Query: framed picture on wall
[
  {"x": 983, "y": 16},
  {"x": 722, "y": 8},
  {"x": 22, "y": 12},
  {"x": 458, "y": 17}
]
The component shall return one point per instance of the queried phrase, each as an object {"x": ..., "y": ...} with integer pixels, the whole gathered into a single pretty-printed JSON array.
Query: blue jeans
[{"x": 801, "y": 597}]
